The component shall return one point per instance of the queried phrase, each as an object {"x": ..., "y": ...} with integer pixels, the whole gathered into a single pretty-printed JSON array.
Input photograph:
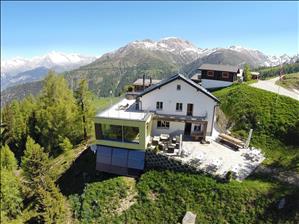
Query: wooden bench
[{"x": 236, "y": 143}]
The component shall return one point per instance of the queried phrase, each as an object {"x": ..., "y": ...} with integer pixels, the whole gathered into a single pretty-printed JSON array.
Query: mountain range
[
  {"x": 21, "y": 70},
  {"x": 158, "y": 59}
]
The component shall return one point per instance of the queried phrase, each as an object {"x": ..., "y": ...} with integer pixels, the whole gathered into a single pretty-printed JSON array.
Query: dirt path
[{"x": 270, "y": 85}]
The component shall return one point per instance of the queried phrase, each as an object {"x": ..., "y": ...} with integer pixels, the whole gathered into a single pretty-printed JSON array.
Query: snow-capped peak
[
  {"x": 51, "y": 60},
  {"x": 170, "y": 38},
  {"x": 169, "y": 44},
  {"x": 240, "y": 48}
]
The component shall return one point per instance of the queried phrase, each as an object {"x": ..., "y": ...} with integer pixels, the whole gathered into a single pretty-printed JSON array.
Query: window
[
  {"x": 197, "y": 128},
  {"x": 159, "y": 105},
  {"x": 210, "y": 73},
  {"x": 225, "y": 75},
  {"x": 163, "y": 124},
  {"x": 117, "y": 133},
  {"x": 178, "y": 87},
  {"x": 179, "y": 107}
]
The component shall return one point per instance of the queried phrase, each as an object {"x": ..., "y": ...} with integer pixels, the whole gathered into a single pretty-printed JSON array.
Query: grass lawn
[{"x": 290, "y": 81}]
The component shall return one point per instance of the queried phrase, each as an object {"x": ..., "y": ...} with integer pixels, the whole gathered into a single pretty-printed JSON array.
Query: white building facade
[{"x": 180, "y": 106}]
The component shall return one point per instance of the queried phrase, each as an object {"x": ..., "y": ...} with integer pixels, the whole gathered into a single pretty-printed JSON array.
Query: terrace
[
  {"x": 212, "y": 157},
  {"x": 124, "y": 109}
]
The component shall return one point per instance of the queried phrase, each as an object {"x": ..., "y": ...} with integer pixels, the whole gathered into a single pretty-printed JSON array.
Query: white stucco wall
[
  {"x": 169, "y": 95},
  {"x": 211, "y": 84},
  {"x": 175, "y": 128}
]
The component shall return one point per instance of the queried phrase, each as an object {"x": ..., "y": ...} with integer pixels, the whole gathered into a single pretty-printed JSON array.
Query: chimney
[
  {"x": 151, "y": 81},
  {"x": 143, "y": 82}
]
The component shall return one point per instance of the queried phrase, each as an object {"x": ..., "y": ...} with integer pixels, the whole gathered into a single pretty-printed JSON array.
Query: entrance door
[
  {"x": 187, "y": 129},
  {"x": 189, "y": 109}
]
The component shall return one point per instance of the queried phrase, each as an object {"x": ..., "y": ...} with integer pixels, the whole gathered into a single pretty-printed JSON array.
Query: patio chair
[
  {"x": 155, "y": 140},
  {"x": 170, "y": 148},
  {"x": 161, "y": 146},
  {"x": 174, "y": 140}
]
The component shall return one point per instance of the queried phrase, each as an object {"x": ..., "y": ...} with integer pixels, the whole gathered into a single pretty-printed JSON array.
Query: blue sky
[{"x": 93, "y": 28}]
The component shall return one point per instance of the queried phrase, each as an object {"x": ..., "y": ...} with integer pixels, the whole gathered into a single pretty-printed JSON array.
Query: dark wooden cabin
[{"x": 219, "y": 72}]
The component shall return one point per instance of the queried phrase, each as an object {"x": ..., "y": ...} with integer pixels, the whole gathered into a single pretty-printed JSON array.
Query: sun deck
[{"x": 124, "y": 109}]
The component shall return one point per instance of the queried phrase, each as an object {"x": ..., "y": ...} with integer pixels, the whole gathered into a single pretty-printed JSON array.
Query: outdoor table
[{"x": 164, "y": 137}]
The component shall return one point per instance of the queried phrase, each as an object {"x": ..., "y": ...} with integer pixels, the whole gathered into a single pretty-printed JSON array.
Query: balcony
[{"x": 183, "y": 118}]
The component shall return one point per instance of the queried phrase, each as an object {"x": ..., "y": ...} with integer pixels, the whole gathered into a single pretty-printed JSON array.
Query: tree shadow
[
  {"x": 288, "y": 214},
  {"x": 81, "y": 172}
]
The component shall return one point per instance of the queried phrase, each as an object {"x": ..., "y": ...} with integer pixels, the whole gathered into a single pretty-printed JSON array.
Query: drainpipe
[{"x": 143, "y": 81}]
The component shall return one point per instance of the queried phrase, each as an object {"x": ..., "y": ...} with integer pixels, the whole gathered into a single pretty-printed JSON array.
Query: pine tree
[
  {"x": 10, "y": 189},
  {"x": 50, "y": 203},
  {"x": 35, "y": 164},
  {"x": 86, "y": 109},
  {"x": 247, "y": 73},
  {"x": 65, "y": 145},
  {"x": 8, "y": 160},
  {"x": 10, "y": 195},
  {"x": 15, "y": 118},
  {"x": 15, "y": 127},
  {"x": 57, "y": 114}
]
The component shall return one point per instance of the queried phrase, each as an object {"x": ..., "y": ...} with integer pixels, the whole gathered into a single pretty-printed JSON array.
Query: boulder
[{"x": 189, "y": 218}]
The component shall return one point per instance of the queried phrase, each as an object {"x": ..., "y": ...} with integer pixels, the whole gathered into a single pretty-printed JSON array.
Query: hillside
[
  {"x": 290, "y": 81},
  {"x": 164, "y": 197},
  {"x": 113, "y": 72},
  {"x": 19, "y": 92},
  {"x": 273, "y": 118},
  {"x": 24, "y": 77},
  {"x": 267, "y": 72},
  {"x": 231, "y": 56}
]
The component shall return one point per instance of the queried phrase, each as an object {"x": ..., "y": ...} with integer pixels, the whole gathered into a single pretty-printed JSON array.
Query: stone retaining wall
[{"x": 159, "y": 161}]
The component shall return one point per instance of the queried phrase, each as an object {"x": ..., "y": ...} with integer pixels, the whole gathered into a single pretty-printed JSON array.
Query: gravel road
[{"x": 270, "y": 85}]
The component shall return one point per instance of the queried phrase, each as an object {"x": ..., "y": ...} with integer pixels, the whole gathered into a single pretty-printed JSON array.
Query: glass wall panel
[
  {"x": 117, "y": 133},
  {"x": 111, "y": 132},
  {"x": 131, "y": 134}
]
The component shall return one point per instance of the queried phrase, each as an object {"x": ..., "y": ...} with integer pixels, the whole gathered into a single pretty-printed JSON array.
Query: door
[
  {"x": 189, "y": 109},
  {"x": 187, "y": 129}
]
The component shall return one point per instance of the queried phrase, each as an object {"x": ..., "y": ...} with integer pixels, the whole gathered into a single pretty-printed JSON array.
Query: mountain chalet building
[
  {"x": 214, "y": 76},
  {"x": 173, "y": 106}
]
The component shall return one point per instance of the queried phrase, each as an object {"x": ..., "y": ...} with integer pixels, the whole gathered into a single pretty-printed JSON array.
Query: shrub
[{"x": 229, "y": 176}]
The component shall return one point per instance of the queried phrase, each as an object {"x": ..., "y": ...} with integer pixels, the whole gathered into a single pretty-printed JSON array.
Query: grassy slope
[
  {"x": 290, "y": 81},
  {"x": 164, "y": 197},
  {"x": 270, "y": 115}
]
